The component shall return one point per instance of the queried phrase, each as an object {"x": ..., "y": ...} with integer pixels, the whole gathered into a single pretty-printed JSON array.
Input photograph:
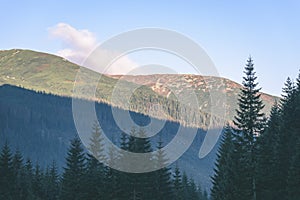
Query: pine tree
[
  {"x": 185, "y": 186},
  {"x": 268, "y": 161},
  {"x": 37, "y": 183},
  {"x": 141, "y": 184},
  {"x": 112, "y": 175},
  {"x": 6, "y": 173},
  {"x": 72, "y": 178},
  {"x": 289, "y": 133},
  {"x": 163, "y": 184},
  {"x": 292, "y": 127},
  {"x": 225, "y": 166},
  {"x": 96, "y": 147},
  {"x": 17, "y": 164},
  {"x": 250, "y": 123},
  {"x": 177, "y": 184},
  {"x": 293, "y": 180},
  {"x": 28, "y": 180},
  {"x": 94, "y": 179},
  {"x": 123, "y": 178},
  {"x": 288, "y": 90},
  {"x": 51, "y": 182}
]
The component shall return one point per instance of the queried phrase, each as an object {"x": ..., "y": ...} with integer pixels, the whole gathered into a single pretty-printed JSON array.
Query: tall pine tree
[
  {"x": 249, "y": 121},
  {"x": 72, "y": 178}
]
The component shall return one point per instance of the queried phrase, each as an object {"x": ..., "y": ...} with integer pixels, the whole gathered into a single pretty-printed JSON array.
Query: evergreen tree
[
  {"x": 163, "y": 185},
  {"x": 123, "y": 178},
  {"x": 72, "y": 178},
  {"x": 6, "y": 173},
  {"x": 268, "y": 162},
  {"x": 28, "y": 180},
  {"x": 225, "y": 167},
  {"x": 51, "y": 182},
  {"x": 112, "y": 175},
  {"x": 177, "y": 184},
  {"x": 141, "y": 184},
  {"x": 96, "y": 147},
  {"x": 293, "y": 180},
  {"x": 185, "y": 186},
  {"x": 289, "y": 134},
  {"x": 250, "y": 123},
  {"x": 94, "y": 179},
  {"x": 288, "y": 90},
  {"x": 37, "y": 183},
  {"x": 18, "y": 166}
]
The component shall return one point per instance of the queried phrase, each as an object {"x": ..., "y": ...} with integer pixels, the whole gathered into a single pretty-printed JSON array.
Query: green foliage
[
  {"x": 177, "y": 184},
  {"x": 73, "y": 176},
  {"x": 263, "y": 162},
  {"x": 225, "y": 178},
  {"x": 86, "y": 179},
  {"x": 7, "y": 173}
]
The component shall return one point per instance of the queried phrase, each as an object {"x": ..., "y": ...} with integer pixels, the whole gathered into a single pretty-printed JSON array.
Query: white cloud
[{"x": 78, "y": 44}]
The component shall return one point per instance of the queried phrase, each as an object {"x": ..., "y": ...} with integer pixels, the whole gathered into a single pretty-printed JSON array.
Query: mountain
[
  {"x": 41, "y": 126},
  {"x": 36, "y": 106},
  {"x": 201, "y": 85},
  {"x": 52, "y": 74}
]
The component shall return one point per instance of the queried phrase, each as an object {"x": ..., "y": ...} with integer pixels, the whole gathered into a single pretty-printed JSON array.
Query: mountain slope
[
  {"x": 53, "y": 74},
  {"x": 41, "y": 126},
  {"x": 201, "y": 85}
]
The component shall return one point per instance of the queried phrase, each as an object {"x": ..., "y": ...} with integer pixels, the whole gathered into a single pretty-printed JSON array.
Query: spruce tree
[
  {"x": 94, "y": 179},
  {"x": 6, "y": 173},
  {"x": 18, "y": 166},
  {"x": 289, "y": 133},
  {"x": 28, "y": 180},
  {"x": 72, "y": 178},
  {"x": 141, "y": 184},
  {"x": 268, "y": 161},
  {"x": 293, "y": 180},
  {"x": 185, "y": 186},
  {"x": 51, "y": 182},
  {"x": 163, "y": 185},
  {"x": 225, "y": 166},
  {"x": 37, "y": 183},
  {"x": 177, "y": 184},
  {"x": 123, "y": 177},
  {"x": 112, "y": 175},
  {"x": 249, "y": 121}
]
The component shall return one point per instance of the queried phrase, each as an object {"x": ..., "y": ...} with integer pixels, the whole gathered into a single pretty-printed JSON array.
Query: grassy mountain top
[{"x": 52, "y": 74}]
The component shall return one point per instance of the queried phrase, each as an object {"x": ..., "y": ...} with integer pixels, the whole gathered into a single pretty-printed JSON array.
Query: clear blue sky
[{"x": 229, "y": 31}]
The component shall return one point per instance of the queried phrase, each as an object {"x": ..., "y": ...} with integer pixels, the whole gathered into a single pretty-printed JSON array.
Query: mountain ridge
[{"x": 52, "y": 74}]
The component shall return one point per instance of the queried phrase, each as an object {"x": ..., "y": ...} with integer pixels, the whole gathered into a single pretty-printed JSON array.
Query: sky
[{"x": 229, "y": 31}]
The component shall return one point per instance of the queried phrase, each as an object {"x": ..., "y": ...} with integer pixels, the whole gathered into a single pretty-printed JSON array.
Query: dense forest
[
  {"x": 41, "y": 126},
  {"x": 259, "y": 158},
  {"x": 84, "y": 177}
]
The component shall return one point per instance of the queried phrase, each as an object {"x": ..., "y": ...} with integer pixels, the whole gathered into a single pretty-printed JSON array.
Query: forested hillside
[
  {"x": 52, "y": 74},
  {"x": 41, "y": 126}
]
